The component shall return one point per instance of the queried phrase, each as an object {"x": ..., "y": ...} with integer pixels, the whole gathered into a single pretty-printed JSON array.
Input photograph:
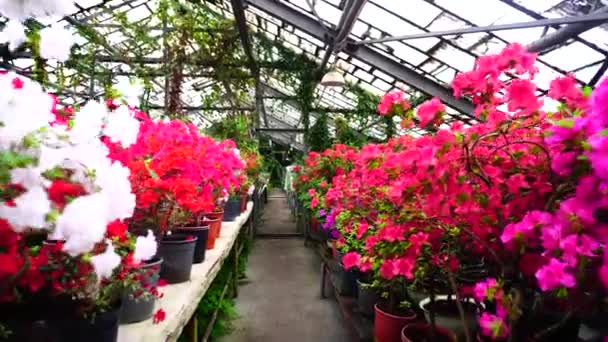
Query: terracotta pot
[
  {"x": 387, "y": 327},
  {"x": 214, "y": 230},
  {"x": 421, "y": 332},
  {"x": 244, "y": 200}
]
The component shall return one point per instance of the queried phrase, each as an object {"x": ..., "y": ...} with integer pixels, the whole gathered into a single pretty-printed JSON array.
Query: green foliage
[
  {"x": 235, "y": 128},
  {"x": 318, "y": 137},
  {"x": 347, "y": 135},
  {"x": 226, "y": 306}
]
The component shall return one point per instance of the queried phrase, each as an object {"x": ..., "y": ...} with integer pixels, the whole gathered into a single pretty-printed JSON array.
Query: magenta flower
[
  {"x": 493, "y": 326},
  {"x": 563, "y": 163},
  {"x": 350, "y": 260},
  {"x": 599, "y": 103},
  {"x": 598, "y": 156},
  {"x": 480, "y": 291},
  {"x": 554, "y": 275}
]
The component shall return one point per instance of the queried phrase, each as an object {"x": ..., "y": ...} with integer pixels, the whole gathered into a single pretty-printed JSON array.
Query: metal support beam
[
  {"x": 347, "y": 21},
  {"x": 192, "y": 108},
  {"x": 582, "y": 22},
  {"x": 538, "y": 16},
  {"x": 283, "y": 130},
  {"x": 383, "y": 63},
  {"x": 569, "y": 31},
  {"x": 238, "y": 8}
]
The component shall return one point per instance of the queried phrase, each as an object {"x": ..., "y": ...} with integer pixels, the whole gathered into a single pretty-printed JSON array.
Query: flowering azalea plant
[{"x": 63, "y": 201}]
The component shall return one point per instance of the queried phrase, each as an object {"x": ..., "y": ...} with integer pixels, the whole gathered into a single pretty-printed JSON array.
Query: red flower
[
  {"x": 117, "y": 229},
  {"x": 60, "y": 192},
  {"x": 161, "y": 282},
  {"x": 159, "y": 316}
]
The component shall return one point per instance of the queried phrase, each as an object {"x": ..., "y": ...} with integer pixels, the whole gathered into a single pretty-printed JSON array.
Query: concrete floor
[{"x": 281, "y": 301}]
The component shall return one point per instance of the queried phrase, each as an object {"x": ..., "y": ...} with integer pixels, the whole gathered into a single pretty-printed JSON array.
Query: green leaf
[
  {"x": 587, "y": 90},
  {"x": 566, "y": 123},
  {"x": 152, "y": 173}
]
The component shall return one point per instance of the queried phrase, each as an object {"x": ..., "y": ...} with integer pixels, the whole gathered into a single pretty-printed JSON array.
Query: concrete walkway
[{"x": 281, "y": 301}]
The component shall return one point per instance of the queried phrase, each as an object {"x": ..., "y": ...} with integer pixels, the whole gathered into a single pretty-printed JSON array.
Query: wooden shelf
[{"x": 181, "y": 300}]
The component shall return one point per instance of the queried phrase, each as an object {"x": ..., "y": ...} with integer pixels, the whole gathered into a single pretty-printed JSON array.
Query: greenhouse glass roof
[{"x": 417, "y": 46}]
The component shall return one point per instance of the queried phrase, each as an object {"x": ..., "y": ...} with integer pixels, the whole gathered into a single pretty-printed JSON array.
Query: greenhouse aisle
[{"x": 281, "y": 302}]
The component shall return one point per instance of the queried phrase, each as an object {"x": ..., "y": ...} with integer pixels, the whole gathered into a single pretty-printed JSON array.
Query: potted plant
[
  {"x": 170, "y": 191},
  {"x": 60, "y": 197}
]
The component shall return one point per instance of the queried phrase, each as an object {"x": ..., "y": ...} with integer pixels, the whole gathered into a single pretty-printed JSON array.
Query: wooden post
[
  {"x": 193, "y": 328},
  {"x": 235, "y": 277}
]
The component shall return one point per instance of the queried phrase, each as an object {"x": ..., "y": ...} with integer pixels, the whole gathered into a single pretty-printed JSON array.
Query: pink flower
[
  {"x": 362, "y": 229},
  {"x": 404, "y": 267},
  {"x": 391, "y": 233},
  {"x": 311, "y": 192},
  {"x": 554, "y": 275},
  {"x": 392, "y": 98},
  {"x": 314, "y": 203},
  {"x": 522, "y": 97},
  {"x": 430, "y": 112},
  {"x": 417, "y": 240},
  {"x": 563, "y": 163},
  {"x": 565, "y": 88},
  {"x": 493, "y": 326},
  {"x": 350, "y": 260},
  {"x": 387, "y": 269}
]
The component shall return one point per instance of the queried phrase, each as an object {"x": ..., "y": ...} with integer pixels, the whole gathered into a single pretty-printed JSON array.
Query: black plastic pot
[
  {"x": 366, "y": 299},
  {"x": 346, "y": 282},
  {"x": 140, "y": 309},
  {"x": 201, "y": 233},
  {"x": 232, "y": 209},
  {"x": 103, "y": 328},
  {"x": 177, "y": 251}
]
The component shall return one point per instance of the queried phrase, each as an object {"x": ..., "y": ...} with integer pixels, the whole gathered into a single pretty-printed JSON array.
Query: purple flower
[
  {"x": 599, "y": 103},
  {"x": 322, "y": 213}
]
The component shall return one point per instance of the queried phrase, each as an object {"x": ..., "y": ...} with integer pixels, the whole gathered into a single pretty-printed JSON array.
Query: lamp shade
[{"x": 333, "y": 79}]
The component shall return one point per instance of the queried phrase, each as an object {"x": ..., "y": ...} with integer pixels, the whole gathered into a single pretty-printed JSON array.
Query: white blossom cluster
[
  {"x": 25, "y": 129},
  {"x": 55, "y": 41}
]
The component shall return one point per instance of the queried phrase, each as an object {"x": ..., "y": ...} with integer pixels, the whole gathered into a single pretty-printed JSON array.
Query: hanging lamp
[{"x": 333, "y": 79}]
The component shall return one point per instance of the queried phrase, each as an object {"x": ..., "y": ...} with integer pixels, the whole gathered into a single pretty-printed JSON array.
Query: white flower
[
  {"x": 30, "y": 210},
  {"x": 251, "y": 190},
  {"x": 130, "y": 91},
  {"x": 105, "y": 263},
  {"x": 122, "y": 127},
  {"x": 88, "y": 122},
  {"x": 83, "y": 223},
  {"x": 145, "y": 247},
  {"x": 13, "y": 34},
  {"x": 21, "y": 9},
  {"x": 24, "y": 108},
  {"x": 115, "y": 185},
  {"x": 29, "y": 177},
  {"x": 56, "y": 43}
]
